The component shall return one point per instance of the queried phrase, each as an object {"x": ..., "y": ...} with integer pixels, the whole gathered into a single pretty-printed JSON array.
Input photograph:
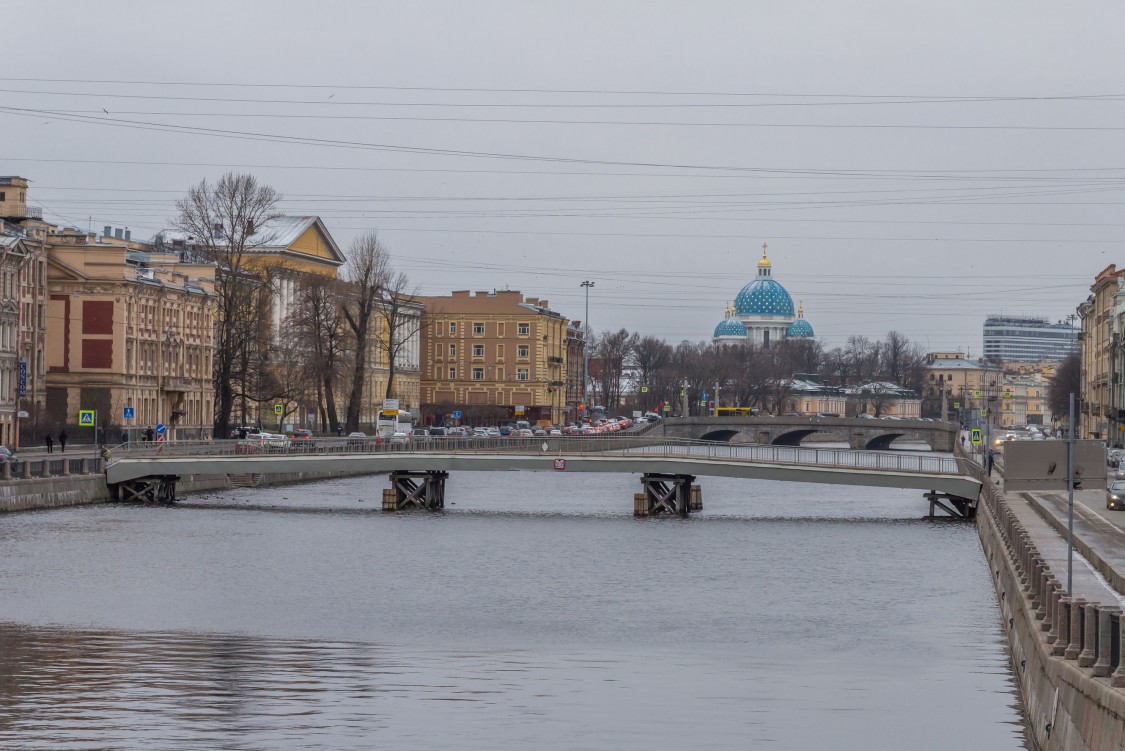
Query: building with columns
[{"x": 763, "y": 312}]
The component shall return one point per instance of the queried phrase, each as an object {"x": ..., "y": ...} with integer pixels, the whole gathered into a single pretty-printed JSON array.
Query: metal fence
[
  {"x": 50, "y": 467},
  {"x": 626, "y": 446}
]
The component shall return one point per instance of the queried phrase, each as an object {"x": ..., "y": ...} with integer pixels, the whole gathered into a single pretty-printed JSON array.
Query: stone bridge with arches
[{"x": 860, "y": 433}]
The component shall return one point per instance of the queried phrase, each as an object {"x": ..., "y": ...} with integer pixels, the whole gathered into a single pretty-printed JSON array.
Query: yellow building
[
  {"x": 1024, "y": 401},
  {"x": 1097, "y": 416},
  {"x": 129, "y": 329},
  {"x": 496, "y": 356},
  {"x": 970, "y": 386}
]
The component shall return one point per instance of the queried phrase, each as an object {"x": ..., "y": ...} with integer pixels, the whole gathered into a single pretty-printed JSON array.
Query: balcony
[
  {"x": 554, "y": 360},
  {"x": 21, "y": 211}
]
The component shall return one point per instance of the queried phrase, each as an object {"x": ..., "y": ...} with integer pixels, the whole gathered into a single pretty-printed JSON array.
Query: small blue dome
[
  {"x": 799, "y": 329},
  {"x": 730, "y": 327},
  {"x": 763, "y": 297}
]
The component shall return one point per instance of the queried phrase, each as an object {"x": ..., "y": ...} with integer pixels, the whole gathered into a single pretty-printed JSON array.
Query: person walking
[
  {"x": 50, "y": 444},
  {"x": 62, "y": 440},
  {"x": 991, "y": 460},
  {"x": 149, "y": 434}
]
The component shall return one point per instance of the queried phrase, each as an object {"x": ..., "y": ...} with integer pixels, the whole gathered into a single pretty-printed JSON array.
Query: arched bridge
[
  {"x": 861, "y": 433},
  {"x": 149, "y": 471}
]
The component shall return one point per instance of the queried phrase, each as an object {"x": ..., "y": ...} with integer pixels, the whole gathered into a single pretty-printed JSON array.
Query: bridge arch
[
  {"x": 883, "y": 442},
  {"x": 793, "y": 437},
  {"x": 723, "y": 436}
]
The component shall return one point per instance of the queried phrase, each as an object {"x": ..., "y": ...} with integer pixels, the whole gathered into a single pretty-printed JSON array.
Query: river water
[{"x": 535, "y": 612}]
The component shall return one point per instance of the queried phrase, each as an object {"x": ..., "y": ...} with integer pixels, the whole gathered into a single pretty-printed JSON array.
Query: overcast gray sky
[{"x": 912, "y": 165}]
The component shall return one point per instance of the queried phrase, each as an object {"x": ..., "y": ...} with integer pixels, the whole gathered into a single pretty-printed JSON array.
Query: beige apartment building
[
  {"x": 23, "y": 256},
  {"x": 1098, "y": 415},
  {"x": 496, "y": 356},
  {"x": 129, "y": 330},
  {"x": 1024, "y": 401},
  {"x": 970, "y": 386}
]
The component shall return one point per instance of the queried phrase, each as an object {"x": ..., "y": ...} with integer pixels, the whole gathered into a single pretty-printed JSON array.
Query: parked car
[
  {"x": 523, "y": 433},
  {"x": 400, "y": 438},
  {"x": 300, "y": 434},
  {"x": 1115, "y": 495},
  {"x": 439, "y": 432},
  {"x": 554, "y": 432}
]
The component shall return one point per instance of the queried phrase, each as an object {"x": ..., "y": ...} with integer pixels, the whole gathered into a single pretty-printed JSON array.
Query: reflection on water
[{"x": 535, "y": 614}]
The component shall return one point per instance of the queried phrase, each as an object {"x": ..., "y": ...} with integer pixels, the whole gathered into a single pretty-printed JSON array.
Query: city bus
[
  {"x": 393, "y": 421},
  {"x": 735, "y": 411}
]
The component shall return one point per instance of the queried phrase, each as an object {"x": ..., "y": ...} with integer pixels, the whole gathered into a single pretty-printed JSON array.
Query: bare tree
[
  {"x": 224, "y": 222},
  {"x": 368, "y": 270},
  {"x": 614, "y": 349},
  {"x": 400, "y": 321},
  {"x": 1067, "y": 380},
  {"x": 317, "y": 328}
]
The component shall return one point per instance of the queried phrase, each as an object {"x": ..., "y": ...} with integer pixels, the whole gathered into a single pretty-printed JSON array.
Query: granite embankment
[
  {"x": 1066, "y": 651},
  {"x": 80, "y": 489}
]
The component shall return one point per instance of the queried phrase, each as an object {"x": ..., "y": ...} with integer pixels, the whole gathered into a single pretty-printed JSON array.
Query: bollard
[
  {"x": 1076, "y": 631},
  {"x": 1052, "y": 606},
  {"x": 26, "y": 474},
  {"x": 1088, "y": 654},
  {"x": 7, "y": 470},
  {"x": 1104, "y": 662},
  {"x": 1058, "y": 638}
]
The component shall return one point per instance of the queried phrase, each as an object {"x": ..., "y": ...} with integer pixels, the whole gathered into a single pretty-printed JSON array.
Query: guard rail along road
[{"x": 643, "y": 455}]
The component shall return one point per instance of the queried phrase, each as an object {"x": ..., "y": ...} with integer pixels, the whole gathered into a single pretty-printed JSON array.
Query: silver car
[{"x": 1115, "y": 495}]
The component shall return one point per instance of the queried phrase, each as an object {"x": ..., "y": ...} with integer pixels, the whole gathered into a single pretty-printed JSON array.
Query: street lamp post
[{"x": 586, "y": 345}]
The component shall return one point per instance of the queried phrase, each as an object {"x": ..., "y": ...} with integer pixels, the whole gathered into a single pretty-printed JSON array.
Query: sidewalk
[{"x": 1099, "y": 534}]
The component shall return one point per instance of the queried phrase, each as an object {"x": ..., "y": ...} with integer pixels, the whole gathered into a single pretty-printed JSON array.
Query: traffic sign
[
  {"x": 161, "y": 429},
  {"x": 956, "y": 405},
  {"x": 644, "y": 389},
  {"x": 86, "y": 418},
  {"x": 984, "y": 413},
  {"x": 667, "y": 408},
  {"x": 456, "y": 414},
  {"x": 560, "y": 464},
  {"x": 976, "y": 393},
  {"x": 128, "y": 412},
  {"x": 278, "y": 409},
  {"x": 975, "y": 437}
]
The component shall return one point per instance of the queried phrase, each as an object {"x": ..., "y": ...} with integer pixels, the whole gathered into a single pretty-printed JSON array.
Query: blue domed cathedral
[{"x": 763, "y": 312}]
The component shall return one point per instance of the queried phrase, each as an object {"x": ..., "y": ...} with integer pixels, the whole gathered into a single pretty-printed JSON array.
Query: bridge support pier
[
  {"x": 147, "y": 490},
  {"x": 424, "y": 490},
  {"x": 673, "y": 494},
  {"x": 954, "y": 506}
]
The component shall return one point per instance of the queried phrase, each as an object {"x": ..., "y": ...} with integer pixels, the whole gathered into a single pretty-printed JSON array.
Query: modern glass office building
[{"x": 1018, "y": 339}]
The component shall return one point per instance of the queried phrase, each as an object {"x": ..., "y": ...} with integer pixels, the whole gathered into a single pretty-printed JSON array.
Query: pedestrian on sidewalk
[
  {"x": 62, "y": 440},
  {"x": 991, "y": 460},
  {"x": 50, "y": 444}
]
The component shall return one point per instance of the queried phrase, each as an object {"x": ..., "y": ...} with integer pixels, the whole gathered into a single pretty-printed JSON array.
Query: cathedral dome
[
  {"x": 730, "y": 328},
  {"x": 763, "y": 296},
  {"x": 800, "y": 329}
]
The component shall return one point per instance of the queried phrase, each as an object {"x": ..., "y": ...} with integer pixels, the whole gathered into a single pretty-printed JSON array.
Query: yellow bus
[{"x": 735, "y": 411}]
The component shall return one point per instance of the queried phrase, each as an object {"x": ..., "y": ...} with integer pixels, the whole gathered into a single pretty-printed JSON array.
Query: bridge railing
[{"x": 654, "y": 446}]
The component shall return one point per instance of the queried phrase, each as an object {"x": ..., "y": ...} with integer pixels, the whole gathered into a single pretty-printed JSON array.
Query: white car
[{"x": 400, "y": 438}]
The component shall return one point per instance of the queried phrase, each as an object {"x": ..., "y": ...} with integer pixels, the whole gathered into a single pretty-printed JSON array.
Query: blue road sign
[
  {"x": 457, "y": 414},
  {"x": 161, "y": 429},
  {"x": 128, "y": 412}
]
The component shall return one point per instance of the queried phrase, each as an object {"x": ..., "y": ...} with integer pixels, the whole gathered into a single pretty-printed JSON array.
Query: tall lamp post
[{"x": 586, "y": 345}]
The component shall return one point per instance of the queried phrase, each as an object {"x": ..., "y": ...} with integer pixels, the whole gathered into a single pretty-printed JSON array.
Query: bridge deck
[{"x": 611, "y": 454}]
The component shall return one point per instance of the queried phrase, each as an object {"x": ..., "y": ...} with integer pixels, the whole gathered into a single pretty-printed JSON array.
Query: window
[
  {"x": 478, "y": 350},
  {"x": 499, "y": 352},
  {"x": 478, "y": 374},
  {"x": 478, "y": 329},
  {"x": 453, "y": 374},
  {"x": 453, "y": 350},
  {"x": 452, "y": 329},
  {"x": 522, "y": 374},
  {"x": 500, "y": 330},
  {"x": 522, "y": 350},
  {"x": 523, "y": 329}
]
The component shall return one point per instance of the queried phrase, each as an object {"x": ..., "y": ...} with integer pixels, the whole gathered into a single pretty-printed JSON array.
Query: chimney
[
  {"x": 108, "y": 231},
  {"x": 118, "y": 233},
  {"x": 128, "y": 234}
]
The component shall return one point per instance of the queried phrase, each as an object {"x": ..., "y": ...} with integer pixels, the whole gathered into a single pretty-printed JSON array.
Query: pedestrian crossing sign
[
  {"x": 86, "y": 418},
  {"x": 975, "y": 437}
]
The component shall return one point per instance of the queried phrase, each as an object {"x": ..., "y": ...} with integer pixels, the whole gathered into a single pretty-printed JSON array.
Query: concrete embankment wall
[
  {"x": 1070, "y": 698},
  {"x": 78, "y": 490}
]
